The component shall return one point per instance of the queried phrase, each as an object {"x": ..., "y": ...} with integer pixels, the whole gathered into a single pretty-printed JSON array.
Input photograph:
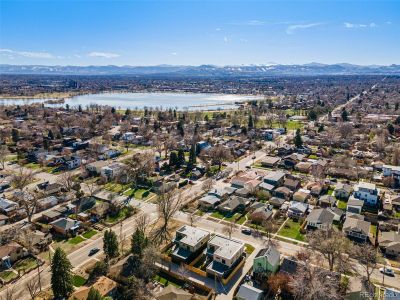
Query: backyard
[{"x": 26, "y": 264}]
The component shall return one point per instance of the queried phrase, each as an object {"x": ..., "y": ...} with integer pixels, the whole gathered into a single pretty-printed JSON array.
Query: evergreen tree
[
  {"x": 15, "y": 135},
  {"x": 50, "y": 135},
  {"x": 61, "y": 275},
  {"x": 110, "y": 244},
  {"x": 67, "y": 107},
  {"x": 312, "y": 115},
  {"x": 321, "y": 128},
  {"x": 206, "y": 118},
  {"x": 173, "y": 159},
  {"x": 94, "y": 294},
  {"x": 139, "y": 242},
  {"x": 345, "y": 116},
  {"x": 250, "y": 124},
  {"x": 397, "y": 121},
  {"x": 396, "y": 106},
  {"x": 181, "y": 158},
  {"x": 113, "y": 110},
  {"x": 80, "y": 108},
  {"x": 175, "y": 114},
  {"x": 192, "y": 156},
  {"x": 180, "y": 128},
  {"x": 297, "y": 139},
  {"x": 390, "y": 128},
  {"x": 127, "y": 112}
]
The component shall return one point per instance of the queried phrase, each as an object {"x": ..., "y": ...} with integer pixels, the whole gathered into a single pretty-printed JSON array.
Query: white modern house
[{"x": 366, "y": 192}]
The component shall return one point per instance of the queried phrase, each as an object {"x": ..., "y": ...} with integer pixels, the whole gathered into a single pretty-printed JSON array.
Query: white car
[{"x": 387, "y": 271}]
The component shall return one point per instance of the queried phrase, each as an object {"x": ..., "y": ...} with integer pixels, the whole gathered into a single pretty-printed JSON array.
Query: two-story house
[
  {"x": 267, "y": 261},
  {"x": 225, "y": 254},
  {"x": 366, "y": 192},
  {"x": 320, "y": 218},
  {"x": 356, "y": 228},
  {"x": 190, "y": 242}
]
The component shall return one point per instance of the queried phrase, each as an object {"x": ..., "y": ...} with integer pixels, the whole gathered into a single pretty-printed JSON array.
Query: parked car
[
  {"x": 246, "y": 231},
  {"x": 387, "y": 271},
  {"x": 93, "y": 251}
]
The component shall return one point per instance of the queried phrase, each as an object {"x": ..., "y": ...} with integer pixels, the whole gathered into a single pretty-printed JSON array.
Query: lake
[{"x": 180, "y": 101}]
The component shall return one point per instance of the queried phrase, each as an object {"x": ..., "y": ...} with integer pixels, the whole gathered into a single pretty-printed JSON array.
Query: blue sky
[{"x": 199, "y": 32}]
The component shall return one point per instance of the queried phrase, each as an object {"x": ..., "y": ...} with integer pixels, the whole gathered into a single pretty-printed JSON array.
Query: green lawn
[
  {"x": 89, "y": 234},
  {"x": 25, "y": 264},
  {"x": 312, "y": 156},
  {"x": 231, "y": 218},
  {"x": 372, "y": 229},
  {"x": 8, "y": 275},
  {"x": 241, "y": 220},
  {"x": 116, "y": 187},
  {"x": 76, "y": 240},
  {"x": 137, "y": 193},
  {"x": 165, "y": 280},
  {"x": 397, "y": 215},
  {"x": 118, "y": 217},
  {"x": 78, "y": 280},
  {"x": 342, "y": 204},
  {"x": 290, "y": 125},
  {"x": 330, "y": 192},
  {"x": 217, "y": 214},
  {"x": 33, "y": 166},
  {"x": 291, "y": 230},
  {"x": 249, "y": 249}
]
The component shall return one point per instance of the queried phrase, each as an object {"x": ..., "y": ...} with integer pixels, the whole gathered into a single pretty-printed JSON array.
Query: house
[
  {"x": 392, "y": 171},
  {"x": 46, "y": 203},
  {"x": 276, "y": 202},
  {"x": 302, "y": 195},
  {"x": 110, "y": 153},
  {"x": 72, "y": 162},
  {"x": 303, "y": 166},
  {"x": 3, "y": 219},
  {"x": 208, "y": 201},
  {"x": 343, "y": 191},
  {"x": 366, "y": 192},
  {"x": 283, "y": 192},
  {"x": 355, "y": 206},
  {"x": 315, "y": 188},
  {"x": 266, "y": 187},
  {"x": 261, "y": 214},
  {"x": 106, "y": 287},
  {"x": 327, "y": 201},
  {"x": 248, "y": 292},
  {"x": 50, "y": 188},
  {"x": 234, "y": 204},
  {"x": 356, "y": 229},
  {"x": 51, "y": 215},
  {"x": 389, "y": 242},
  {"x": 190, "y": 242},
  {"x": 292, "y": 184},
  {"x": 297, "y": 210},
  {"x": 8, "y": 207},
  {"x": 320, "y": 218},
  {"x": 65, "y": 226},
  {"x": 161, "y": 186},
  {"x": 275, "y": 178},
  {"x": 270, "y": 161},
  {"x": 290, "y": 161},
  {"x": 289, "y": 266},
  {"x": 391, "y": 294},
  {"x": 112, "y": 171},
  {"x": 267, "y": 261},
  {"x": 10, "y": 253},
  {"x": 337, "y": 213},
  {"x": 222, "y": 193},
  {"x": 172, "y": 292},
  {"x": 94, "y": 168},
  {"x": 225, "y": 253}
]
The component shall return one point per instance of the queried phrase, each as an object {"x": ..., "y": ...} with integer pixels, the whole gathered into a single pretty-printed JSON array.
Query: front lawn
[
  {"x": 78, "y": 280},
  {"x": 121, "y": 215},
  {"x": 89, "y": 234},
  {"x": 241, "y": 220},
  {"x": 330, "y": 192},
  {"x": 76, "y": 240},
  {"x": 218, "y": 215},
  {"x": 116, "y": 187},
  {"x": 138, "y": 193},
  {"x": 7, "y": 276},
  {"x": 291, "y": 229},
  {"x": 25, "y": 264},
  {"x": 342, "y": 204},
  {"x": 33, "y": 166},
  {"x": 249, "y": 249},
  {"x": 165, "y": 280}
]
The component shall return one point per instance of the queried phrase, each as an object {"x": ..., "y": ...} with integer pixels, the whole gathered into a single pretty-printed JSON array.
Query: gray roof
[
  {"x": 320, "y": 215},
  {"x": 273, "y": 256},
  {"x": 7, "y": 204},
  {"x": 327, "y": 199},
  {"x": 248, "y": 292},
  {"x": 274, "y": 175},
  {"x": 298, "y": 206},
  {"x": 353, "y": 224},
  {"x": 225, "y": 247},
  {"x": 192, "y": 235},
  {"x": 343, "y": 186},
  {"x": 65, "y": 223},
  {"x": 355, "y": 202},
  {"x": 266, "y": 186},
  {"x": 276, "y": 201},
  {"x": 210, "y": 199}
]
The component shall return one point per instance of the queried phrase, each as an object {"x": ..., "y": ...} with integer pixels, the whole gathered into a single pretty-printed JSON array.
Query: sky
[{"x": 191, "y": 32}]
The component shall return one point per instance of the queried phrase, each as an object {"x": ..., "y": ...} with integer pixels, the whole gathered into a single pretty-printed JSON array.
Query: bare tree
[
  {"x": 67, "y": 181},
  {"x": 229, "y": 228},
  {"x": 331, "y": 244},
  {"x": 28, "y": 201},
  {"x": 219, "y": 154},
  {"x": 367, "y": 257},
  {"x": 91, "y": 187},
  {"x": 32, "y": 286},
  {"x": 10, "y": 294},
  {"x": 22, "y": 178},
  {"x": 139, "y": 166},
  {"x": 192, "y": 218},
  {"x": 142, "y": 222},
  {"x": 207, "y": 185},
  {"x": 3, "y": 155},
  {"x": 167, "y": 205}
]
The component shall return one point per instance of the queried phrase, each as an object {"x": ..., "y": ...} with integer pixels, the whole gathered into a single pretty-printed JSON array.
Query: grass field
[
  {"x": 342, "y": 204},
  {"x": 78, "y": 280},
  {"x": 217, "y": 214},
  {"x": 118, "y": 217},
  {"x": 89, "y": 234},
  {"x": 166, "y": 280},
  {"x": 291, "y": 229},
  {"x": 8, "y": 275},
  {"x": 25, "y": 264},
  {"x": 76, "y": 240},
  {"x": 249, "y": 249},
  {"x": 116, "y": 187}
]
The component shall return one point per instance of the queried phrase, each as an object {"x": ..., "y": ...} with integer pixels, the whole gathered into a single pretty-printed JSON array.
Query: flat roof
[
  {"x": 226, "y": 247},
  {"x": 192, "y": 235}
]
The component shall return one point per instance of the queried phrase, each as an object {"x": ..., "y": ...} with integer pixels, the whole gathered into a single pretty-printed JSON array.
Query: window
[{"x": 223, "y": 261}]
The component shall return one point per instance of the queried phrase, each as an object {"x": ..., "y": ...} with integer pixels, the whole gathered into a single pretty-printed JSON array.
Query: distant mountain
[{"x": 206, "y": 70}]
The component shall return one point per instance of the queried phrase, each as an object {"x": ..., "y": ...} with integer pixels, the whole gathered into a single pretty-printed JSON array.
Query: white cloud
[
  {"x": 226, "y": 39},
  {"x": 30, "y": 54},
  {"x": 388, "y": 22},
  {"x": 103, "y": 54},
  {"x": 218, "y": 29},
  {"x": 353, "y": 25},
  {"x": 255, "y": 23},
  {"x": 293, "y": 28},
  {"x": 174, "y": 53}
]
